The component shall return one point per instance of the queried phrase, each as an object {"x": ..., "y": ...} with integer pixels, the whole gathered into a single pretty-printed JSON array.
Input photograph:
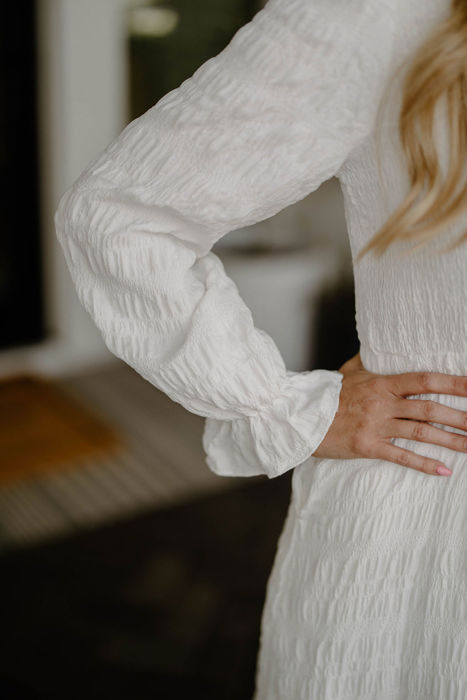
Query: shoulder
[
  {"x": 332, "y": 20},
  {"x": 309, "y": 9}
]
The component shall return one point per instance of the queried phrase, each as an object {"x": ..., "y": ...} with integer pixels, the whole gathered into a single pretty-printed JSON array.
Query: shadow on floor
[{"x": 163, "y": 605}]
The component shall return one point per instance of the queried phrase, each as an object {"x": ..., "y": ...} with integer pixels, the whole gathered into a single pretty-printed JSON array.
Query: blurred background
[{"x": 129, "y": 570}]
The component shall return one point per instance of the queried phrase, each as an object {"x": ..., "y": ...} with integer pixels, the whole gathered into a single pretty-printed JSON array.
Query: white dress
[{"x": 367, "y": 596}]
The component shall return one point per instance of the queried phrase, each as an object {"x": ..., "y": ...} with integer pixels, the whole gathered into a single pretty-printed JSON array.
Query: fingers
[
  {"x": 424, "y": 432},
  {"x": 409, "y": 459},
  {"x": 432, "y": 411},
  {"x": 409, "y": 383}
]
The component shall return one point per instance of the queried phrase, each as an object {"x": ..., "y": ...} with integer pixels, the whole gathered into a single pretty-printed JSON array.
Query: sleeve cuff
[{"x": 281, "y": 435}]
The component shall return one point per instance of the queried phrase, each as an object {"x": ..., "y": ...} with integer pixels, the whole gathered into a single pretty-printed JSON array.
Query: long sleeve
[{"x": 253, "y": 130}]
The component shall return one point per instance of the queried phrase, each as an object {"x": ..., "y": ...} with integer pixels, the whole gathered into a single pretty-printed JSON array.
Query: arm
[{"x": 256, "y": 128}]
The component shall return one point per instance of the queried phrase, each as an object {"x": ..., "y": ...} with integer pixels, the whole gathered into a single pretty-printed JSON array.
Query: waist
[{"x": 454, "y": 362}]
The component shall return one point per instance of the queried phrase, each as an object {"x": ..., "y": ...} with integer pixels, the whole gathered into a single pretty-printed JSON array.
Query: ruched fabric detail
[
  {"x": 367, "y": 599},
  {"x": 306, "y": 407},
  {"x": 367, "y": 596},
  {"x": 256, "y": 128}
]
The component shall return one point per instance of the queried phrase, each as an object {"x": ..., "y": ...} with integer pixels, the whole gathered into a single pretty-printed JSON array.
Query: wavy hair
[{"x": 438, "y": 72}]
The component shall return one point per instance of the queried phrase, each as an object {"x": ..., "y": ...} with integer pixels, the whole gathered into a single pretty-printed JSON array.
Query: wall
[{"x": 82, "y": 106}]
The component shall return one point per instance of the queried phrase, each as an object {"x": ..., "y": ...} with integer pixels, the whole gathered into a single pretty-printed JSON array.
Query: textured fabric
[{"x": 366, "y": 599}]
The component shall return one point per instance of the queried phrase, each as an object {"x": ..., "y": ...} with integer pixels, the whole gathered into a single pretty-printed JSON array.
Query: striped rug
[{"x": 161, "y": 461}]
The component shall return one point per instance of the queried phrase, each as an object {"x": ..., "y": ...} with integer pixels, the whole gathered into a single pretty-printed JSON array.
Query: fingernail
[{"x": 444, "y": 471}]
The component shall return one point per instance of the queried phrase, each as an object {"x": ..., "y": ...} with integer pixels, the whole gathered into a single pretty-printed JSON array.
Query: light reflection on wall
[{"x": 152, "y": 21}]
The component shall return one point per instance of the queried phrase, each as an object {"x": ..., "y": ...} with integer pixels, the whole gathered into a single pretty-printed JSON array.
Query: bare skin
[{"x": 373, "y": 409}]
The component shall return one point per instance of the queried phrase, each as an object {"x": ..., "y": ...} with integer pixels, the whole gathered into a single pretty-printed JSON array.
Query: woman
[{"x": 366, "y": 598}]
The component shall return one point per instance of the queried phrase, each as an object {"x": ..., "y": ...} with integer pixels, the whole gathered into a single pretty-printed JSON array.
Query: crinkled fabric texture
[
  {"x": 367, "y": 595},
  {"x": 240, "y": 447}
]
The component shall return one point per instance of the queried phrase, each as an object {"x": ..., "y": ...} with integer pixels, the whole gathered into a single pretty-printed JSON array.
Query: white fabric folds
[
  {"x": 280, "y": 436},
  {"x": 256, "y": 128}
]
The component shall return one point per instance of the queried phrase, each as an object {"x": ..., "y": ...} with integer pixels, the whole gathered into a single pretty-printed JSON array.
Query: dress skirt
[{"x": 367, "y": 597}]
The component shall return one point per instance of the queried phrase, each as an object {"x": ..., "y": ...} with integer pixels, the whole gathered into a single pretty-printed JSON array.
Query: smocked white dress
[{"x": 367, "y": 596}]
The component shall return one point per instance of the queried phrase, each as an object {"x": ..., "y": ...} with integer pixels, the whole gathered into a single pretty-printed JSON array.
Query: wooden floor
[{"x": 162, "y": 462}]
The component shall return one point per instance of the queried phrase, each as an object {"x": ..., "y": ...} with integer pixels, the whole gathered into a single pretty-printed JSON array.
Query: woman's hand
[{"x": 373, "y": 409}]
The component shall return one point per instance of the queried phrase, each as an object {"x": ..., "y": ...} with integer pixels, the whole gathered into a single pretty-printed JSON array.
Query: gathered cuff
[{"x": 282, "y": 435}]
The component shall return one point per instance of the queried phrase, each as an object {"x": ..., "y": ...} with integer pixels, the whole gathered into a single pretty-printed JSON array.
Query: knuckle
[
  {"x": 429, "y": 410},
  {"x": 424, "y": 379},
  {"x": 419, "y": 431},
  {"x": 403, "y": 459}
]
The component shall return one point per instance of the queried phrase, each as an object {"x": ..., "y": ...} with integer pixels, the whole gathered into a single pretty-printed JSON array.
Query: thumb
[{"x": 354, "y": 363}]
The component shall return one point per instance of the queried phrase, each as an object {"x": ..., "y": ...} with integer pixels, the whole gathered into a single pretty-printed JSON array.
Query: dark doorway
[{"x": 21, "y": 297}]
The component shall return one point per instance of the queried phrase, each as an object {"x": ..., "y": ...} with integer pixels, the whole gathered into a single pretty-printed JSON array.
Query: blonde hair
[{"x": 438, "y": 71}]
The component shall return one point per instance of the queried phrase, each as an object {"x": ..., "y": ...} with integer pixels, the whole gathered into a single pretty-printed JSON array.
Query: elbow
[
  {"x": 80, "y": 224},
  {"x": 69, "y": 217}
]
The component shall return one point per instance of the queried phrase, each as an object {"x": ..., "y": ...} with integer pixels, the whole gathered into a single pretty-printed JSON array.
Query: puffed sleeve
[{"x": 256, "y": 128}]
